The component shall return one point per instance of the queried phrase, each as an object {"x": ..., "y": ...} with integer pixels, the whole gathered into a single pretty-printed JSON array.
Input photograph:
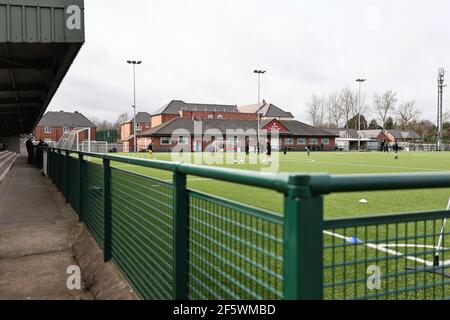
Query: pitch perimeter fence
[{"x": 172, "y": 242}]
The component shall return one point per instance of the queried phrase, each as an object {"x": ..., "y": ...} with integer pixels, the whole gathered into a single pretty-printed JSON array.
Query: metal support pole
[
  {"x": 134, "y": 104},
  {"x": 80, "y": 186},
  {"x": 180, "y": 236},
  {"x": 67, "y": 174},
  {"x": 302, "y": 242},
  {"x": 107, "y": 209}
]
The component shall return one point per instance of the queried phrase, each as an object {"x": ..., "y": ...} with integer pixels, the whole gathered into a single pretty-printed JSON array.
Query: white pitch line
[
  {"x": 382, "y": 248},
  {"x": 369, "y": 166}
]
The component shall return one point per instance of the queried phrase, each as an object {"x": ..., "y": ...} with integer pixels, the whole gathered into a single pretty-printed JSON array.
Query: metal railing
[{"x": 172, "y": 242}]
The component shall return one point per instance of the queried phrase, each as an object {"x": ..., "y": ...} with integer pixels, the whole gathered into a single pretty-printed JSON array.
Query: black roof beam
[
  {"x": 38, "y": 64},
  {"x": 13, "y": 101},
  {"x": 22, "y": 87}
]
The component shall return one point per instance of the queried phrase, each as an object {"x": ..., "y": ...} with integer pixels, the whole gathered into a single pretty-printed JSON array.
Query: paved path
[{"x": 37, "y": 230}]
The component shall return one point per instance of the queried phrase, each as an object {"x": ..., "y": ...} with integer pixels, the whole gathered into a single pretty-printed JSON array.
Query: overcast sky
[{"x": 205, "y": 51}]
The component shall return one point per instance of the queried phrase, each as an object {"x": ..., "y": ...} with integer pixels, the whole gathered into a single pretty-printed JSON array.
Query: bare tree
[
  {"x": 334, "y": 109},
  {"x": 348, "y": 102},
  {"x": 359, "y": 107},
  {"x": 385, "y": 105},
  {"x": 407, "y": 113},
  {"x": 120, "y": 120},
  {"x": 315, "y": 110}
]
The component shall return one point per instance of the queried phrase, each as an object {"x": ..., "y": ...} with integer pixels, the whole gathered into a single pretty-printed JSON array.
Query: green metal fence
[{"x": 171, "y": 242}]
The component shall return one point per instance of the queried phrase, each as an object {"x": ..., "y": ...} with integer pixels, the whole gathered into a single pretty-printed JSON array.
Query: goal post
[
  {"x": 441, "y": 239},
  {"x": 227, "y": 146},
  {"x": 71, "y": 140}
]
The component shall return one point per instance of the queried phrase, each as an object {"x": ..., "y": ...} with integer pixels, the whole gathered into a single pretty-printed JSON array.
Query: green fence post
[
  {"x": 107, "y": 209},
  {"x": 302, "y": 242},
  {"x": 59, "y": 171},
  {"x": 49, "y": 163},
  {"x": 80, "y": 186},
  {"x": 67, "y": 174},
  {"x": 180, "y": 236}
]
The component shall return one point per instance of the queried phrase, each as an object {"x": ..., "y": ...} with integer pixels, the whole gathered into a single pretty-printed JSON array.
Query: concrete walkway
[{"x": 37, "y": 231}]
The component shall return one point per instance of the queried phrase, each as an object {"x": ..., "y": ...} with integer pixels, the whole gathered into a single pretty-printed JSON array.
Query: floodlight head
[
  {"x": 360, "y": 80},
  {"x": 139, "y": 62},
  {"x": 129, "y": 61}
]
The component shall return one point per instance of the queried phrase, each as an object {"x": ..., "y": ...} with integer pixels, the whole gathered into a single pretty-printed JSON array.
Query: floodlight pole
[
  {"x": 441, "y": 74},
  {"x": 360, "y": 81},
  {"x": 134, "y": 63},
  {"x": 259, "y": 73}
]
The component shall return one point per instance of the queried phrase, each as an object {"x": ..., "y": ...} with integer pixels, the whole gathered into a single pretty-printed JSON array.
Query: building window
[
  {"x": 326, "y": 141},
  {"x": 48, "y": 141},
  {"x": 312, "y": 140},
  {"x": 219, "y": 116},
  {"x": 164, "y": 140},
  {"x": 66, "y": 129},
  {"x": 210, "y": 116},
  {"x": 47, "y": 129},
  {"x": 182, "y": 140},
  {"x": 301, "y": 141},
  {"x": 288, "y": 141}
]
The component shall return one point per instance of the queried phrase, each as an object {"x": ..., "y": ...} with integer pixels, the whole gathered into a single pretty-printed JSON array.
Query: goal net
[
  {"x": 226, "y": 146},
  {"x": 73, "y": 141}
]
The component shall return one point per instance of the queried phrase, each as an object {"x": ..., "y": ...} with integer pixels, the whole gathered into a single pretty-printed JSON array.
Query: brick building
[
  {"x": 201, "y": 133},
  {"x": 197, "y": 126},
  {"x": 172, "y": 110},
  {"x": 390, "y": 136},
  {"x": 143, "y": 120},
  {"x": 54, "y": 124}
]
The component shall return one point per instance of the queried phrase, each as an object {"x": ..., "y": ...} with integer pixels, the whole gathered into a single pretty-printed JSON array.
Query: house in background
[
  {"x": 267, "y": 111},
  {"x": 348, "y": 140},
  {"x": 173, "y": 109},
  {"x": 54, "y": 124},
  {"x": 292, "y": 134},
  {"x": 390, "y": 136},
  {"x": 143, "y": 120}
]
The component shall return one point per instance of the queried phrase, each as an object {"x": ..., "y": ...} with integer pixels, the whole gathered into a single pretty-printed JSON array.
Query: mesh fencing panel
[
  {"x": 92, "y": 199},
  {"x": 142, "y": 224},
  {"x": 74, "y": 184},
  {"x": 235, "y": 251},
  {"x": 387, "y": 257}
]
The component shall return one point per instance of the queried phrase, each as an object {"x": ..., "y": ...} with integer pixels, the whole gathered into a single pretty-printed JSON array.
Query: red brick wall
[
  {"x": 295, "y": 146},
  {"x": 218, "y": 115},
  {"x": 162, "y": 118},
  {"x": 127, "y": 129},
  {"x": 57, "y": 132}
]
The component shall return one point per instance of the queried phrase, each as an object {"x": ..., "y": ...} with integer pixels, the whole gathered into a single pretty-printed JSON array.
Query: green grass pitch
[
  {"x": 337, "y": 205},
  {"x": 391, "y": 247}
]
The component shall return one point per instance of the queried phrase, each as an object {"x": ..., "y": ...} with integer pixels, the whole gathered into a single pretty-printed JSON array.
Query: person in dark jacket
[
  {"x": 29, "y": 145},
  {"x": 150, "y": 150},
  {"x": 247, "y": 146},
  {"x": 269, "y": 151}
]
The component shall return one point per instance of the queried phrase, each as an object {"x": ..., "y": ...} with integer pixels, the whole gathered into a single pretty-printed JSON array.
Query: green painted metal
[
  {"x": 303, "y": 217},
  {"x": 180, "y": 235},
  {"x": 171, "y": 242},
  {"x": 142, "y": 236},
  {"x": 67, "y": 175},
  {"x": 109, "y": 136},
  {"x": 81, "y": 178},
  {"x": 46, "y": 21},
  {"x": 107, "y": 209}
]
